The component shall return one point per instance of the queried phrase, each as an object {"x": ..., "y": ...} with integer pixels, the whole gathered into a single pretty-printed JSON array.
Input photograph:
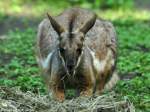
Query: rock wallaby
[{"x": 77, "y": 50}]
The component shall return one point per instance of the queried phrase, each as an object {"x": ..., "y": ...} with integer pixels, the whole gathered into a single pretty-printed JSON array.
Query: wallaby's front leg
[
  {"x": 100, "y": 84},
  {"x": 57, "y": 88},
  {"x": 101, "y": 81},
  {"x": 58, "y": 94},
  {"x": 87, "y": 85}
]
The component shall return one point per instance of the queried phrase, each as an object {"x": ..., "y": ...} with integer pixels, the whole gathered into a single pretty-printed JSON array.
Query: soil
[
  {"x": 142, "y": 4},
  {"x": 10, "y": 22}
]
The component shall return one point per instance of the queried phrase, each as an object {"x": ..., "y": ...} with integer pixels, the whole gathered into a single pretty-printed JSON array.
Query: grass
[
  {"x": 32, "y": 8},
  {"x": 18, "y": 66},
  {"x": 134, "y": 58}
]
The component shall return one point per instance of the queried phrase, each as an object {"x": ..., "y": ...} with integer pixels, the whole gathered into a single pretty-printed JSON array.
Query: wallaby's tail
[
  {"x": 112, "y": 82},
  {"x": 115, "y": 78}
]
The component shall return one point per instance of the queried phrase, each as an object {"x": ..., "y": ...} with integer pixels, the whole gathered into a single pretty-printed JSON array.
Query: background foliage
[{"x": 19, "y": 20}]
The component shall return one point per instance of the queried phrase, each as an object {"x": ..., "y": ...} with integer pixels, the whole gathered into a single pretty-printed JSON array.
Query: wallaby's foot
[
  {"x": 87, "y": 92},
  {"x": 99, "y": 91},
  {"x": 59, "y": 95}
]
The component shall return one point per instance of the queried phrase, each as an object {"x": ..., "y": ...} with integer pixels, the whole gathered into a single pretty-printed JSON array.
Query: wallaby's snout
[
  {"x": 70, "y": 65},
  {"x": 70, "y": 55}
]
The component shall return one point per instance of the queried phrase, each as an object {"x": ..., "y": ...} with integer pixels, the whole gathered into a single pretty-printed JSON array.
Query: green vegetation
[
  {"x": 18, "y": 66},
  {"x": 30, "y": 7},
  {"x": 115, "y": 4},
  {"x": 134, "y": 56}
]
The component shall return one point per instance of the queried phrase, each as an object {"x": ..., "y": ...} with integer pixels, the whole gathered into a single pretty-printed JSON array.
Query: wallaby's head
[{"x": 71, "y": 42}]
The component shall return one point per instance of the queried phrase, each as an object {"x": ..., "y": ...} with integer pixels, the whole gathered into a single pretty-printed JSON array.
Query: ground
[{"x": 18, "y": 66}]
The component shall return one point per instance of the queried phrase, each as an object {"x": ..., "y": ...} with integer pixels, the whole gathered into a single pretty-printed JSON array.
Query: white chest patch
[{"x": 99, "y": 65}]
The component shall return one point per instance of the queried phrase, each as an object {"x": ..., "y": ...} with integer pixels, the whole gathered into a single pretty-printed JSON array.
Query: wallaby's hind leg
[{"x": 103, "y": 85}]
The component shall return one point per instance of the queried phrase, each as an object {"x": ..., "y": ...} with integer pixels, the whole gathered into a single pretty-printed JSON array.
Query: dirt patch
[
  {"x": 13, "y": 22},
  {"x": 141, "y": 48},
  {"x": 13, "y": 100},
  {"x": 5, "y": 58},
  {"x": 129, "y": 75},
  {"x": 142, "y": 4}
]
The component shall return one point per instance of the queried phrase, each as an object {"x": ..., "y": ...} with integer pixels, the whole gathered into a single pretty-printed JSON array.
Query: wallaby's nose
[{"x": 70, "y": 68}]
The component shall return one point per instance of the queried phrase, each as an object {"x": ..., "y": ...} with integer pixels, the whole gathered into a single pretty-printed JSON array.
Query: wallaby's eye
[
  {"x": 79, "y": 50},
  {"x": 62, "y": 50}
]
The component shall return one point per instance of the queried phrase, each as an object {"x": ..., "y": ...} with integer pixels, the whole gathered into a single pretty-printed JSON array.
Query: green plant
[
  {"x": 104, "y": 4},
  {"x": 116, "y": 3}
]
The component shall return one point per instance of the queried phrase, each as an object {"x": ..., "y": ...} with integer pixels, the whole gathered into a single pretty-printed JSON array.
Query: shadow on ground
[{"x": 13, "y": 22}]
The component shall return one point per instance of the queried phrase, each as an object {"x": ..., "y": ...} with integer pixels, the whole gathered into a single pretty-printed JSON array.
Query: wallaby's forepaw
[
  {"x": 88, "y": 92},
  {"x": 59, "y": 96}
]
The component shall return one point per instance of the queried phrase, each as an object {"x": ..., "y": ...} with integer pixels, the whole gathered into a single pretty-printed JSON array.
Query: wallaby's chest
[{"x": 73, "y": 81}]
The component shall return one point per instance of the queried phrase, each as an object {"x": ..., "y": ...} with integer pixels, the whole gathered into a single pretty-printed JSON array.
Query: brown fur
[{"x": 97, "y": 40}]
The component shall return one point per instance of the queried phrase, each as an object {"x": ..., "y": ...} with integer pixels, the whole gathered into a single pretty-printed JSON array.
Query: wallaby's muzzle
[{"x": 70, "y": 66}]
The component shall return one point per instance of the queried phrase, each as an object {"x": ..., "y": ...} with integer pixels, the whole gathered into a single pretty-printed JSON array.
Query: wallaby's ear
[
  {"x": 88, "y": 25},
  {"x": 57, "y": 27}
]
